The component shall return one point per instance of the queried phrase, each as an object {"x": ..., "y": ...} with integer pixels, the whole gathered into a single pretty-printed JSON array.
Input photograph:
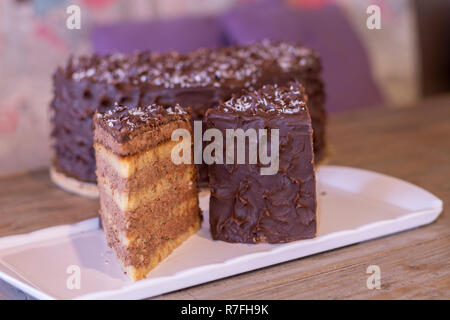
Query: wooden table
[{"x": 412, "y": 144}]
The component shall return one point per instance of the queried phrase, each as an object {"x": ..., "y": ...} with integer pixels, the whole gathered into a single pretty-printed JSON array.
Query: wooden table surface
[{"x": 411, "y": 143}]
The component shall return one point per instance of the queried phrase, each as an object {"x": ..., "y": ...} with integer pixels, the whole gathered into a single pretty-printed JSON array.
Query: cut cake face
[{"x": 148, "y": 204}]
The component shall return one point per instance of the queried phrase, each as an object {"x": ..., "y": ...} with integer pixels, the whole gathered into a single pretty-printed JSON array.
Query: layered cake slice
[
  {"x": 148, "y": 204},
  {"x": 271, "y": 196}
]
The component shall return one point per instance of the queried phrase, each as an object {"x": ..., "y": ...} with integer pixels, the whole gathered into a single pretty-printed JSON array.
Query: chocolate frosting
[
  {"x": 248, "y": 207},
  {"x": 124, "y": 123},
  {"x": 200, "y": 79}
]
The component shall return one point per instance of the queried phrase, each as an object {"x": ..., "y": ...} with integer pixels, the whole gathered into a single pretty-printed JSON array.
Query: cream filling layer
[
  {"x": 137, "y": 273},
  {"x": 127, "y": 166},
  {"x": 129, "y": 201},
  {"x": 127, "y": 239}
]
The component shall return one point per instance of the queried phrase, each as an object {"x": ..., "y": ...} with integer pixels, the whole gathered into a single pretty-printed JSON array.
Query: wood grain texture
[
  {"x": 31, "y": 201},
  {"x": 412, "y": 144}
]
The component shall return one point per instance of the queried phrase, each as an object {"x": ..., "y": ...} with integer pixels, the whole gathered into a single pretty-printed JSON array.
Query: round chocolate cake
[{"x": 200, "y": 79}]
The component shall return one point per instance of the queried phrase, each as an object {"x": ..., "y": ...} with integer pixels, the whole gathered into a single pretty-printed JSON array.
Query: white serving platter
[{"x": 354, "y": 205}]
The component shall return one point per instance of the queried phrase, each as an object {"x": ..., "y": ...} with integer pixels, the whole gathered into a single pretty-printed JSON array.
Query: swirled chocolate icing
[
  {"x": 200, "y": 79},
  {"x": 246, "y": 206}
]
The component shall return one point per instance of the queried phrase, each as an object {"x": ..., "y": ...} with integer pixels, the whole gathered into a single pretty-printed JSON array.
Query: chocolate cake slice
[
  {"x": 200, "y": 79},
  {"x": 250, "y": 203},
  {"x": 148, "y": 204}
]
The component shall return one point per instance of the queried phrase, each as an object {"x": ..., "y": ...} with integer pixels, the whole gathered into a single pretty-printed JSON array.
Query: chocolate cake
[
  {"x": 200, "y": 79},
  {"x": 247, "y": 204},
  {"x": 148, "y": 204}
]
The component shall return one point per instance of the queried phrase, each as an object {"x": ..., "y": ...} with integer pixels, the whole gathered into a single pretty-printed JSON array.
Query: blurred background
[{"x": 405, "y": 61}]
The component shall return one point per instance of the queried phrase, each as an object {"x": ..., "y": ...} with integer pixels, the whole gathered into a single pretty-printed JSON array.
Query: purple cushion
[
  {"x": 181, "y": 34},
  {"x": 346, "y": 71}
]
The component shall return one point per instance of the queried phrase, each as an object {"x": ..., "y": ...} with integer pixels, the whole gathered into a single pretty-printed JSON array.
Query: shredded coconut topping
[
  {"x": 240, "y": 65},
  {"x": 269, "y": 99},
  {"x": 126, "y": 118}
]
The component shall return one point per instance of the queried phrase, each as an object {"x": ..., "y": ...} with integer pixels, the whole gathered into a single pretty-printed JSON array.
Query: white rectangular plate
[{"x": 354, "y": 206}]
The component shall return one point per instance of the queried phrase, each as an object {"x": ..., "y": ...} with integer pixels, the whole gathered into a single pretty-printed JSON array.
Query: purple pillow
[
  {"x": 346, "y": 71},
  {"x": 181, "y": 34}
]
